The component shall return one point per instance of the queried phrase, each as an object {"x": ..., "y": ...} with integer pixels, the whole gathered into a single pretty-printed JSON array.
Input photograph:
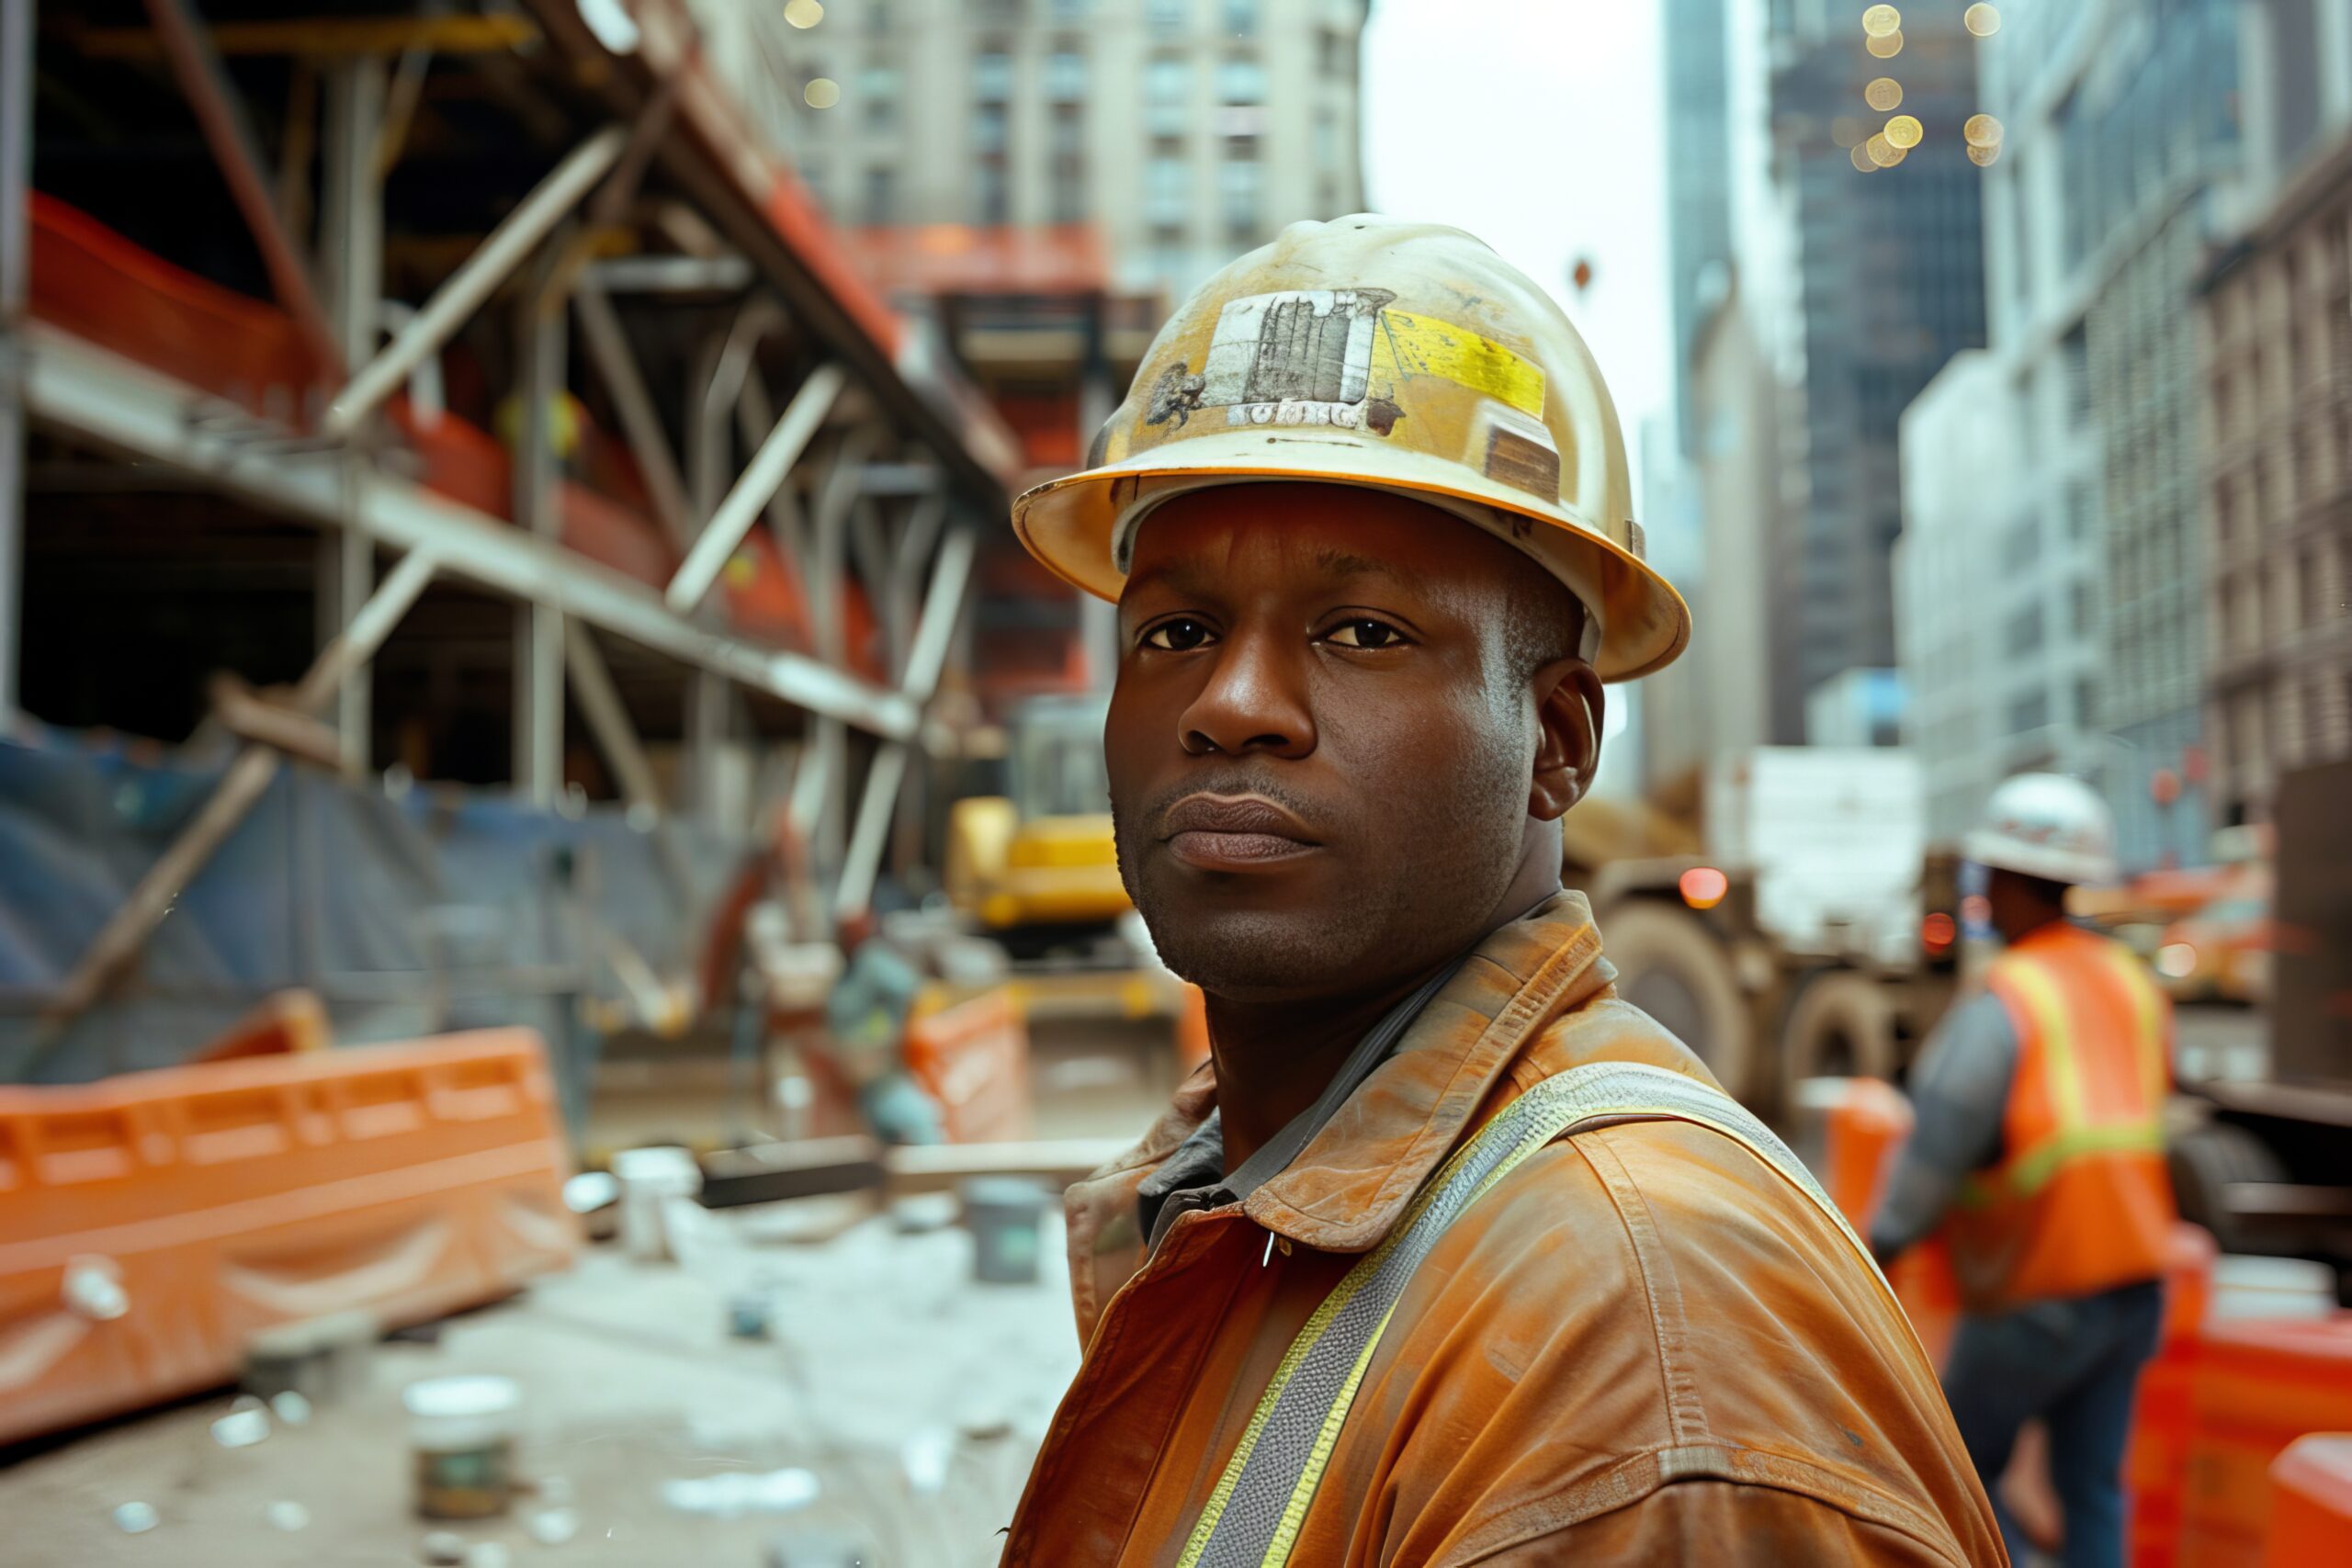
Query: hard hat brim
[
  {"x": 2001, "y": 852},
  {"x": 1069, "y": 524}
]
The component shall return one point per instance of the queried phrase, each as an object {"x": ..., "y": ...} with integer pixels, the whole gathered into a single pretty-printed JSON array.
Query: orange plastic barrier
[
  {"x": 150, "y": 1223},
  {"x": 2155, "y": 1466},
  {"x": 1929, "y": 1292},
  {"x": 973, "y": 1058},
  {"x": 2311, "y": 1502},
  {"x": 1866, "y": 1121},
  {"x": 287, "y": 1020},
  {"x": 2258, "y": 1386}
]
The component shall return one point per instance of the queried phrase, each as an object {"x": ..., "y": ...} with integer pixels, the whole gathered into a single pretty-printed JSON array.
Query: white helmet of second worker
[
  {"x": 2046, "y": 825},
  {"x": 1399, "y": 357}
]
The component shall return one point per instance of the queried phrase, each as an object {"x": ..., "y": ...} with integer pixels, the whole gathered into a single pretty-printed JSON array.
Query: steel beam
[
  {"x": 727, "y": 273},
  {"x": 118, "y": 403},
  {"x": 761, "y": 479},
  {"x": 539, "y": 625},
  {"x": 248, "y": 777},
  {"x": 235, "y": 147},
  {"x": 15, "y": 283},
  {"x": 462, "y": 292},
  {"x": 886, "y": 775},
  {"x": 640, "y": 421},
  {"x": 607, "y": 717},
  {"x": 352, "y": 232},
  {"x": 328, "y": 38}
]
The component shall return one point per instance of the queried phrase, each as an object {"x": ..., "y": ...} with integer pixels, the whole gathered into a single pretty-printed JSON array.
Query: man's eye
[
  {"x": 1366, "y": 634},
  {"x": 1177, "y": 636}
]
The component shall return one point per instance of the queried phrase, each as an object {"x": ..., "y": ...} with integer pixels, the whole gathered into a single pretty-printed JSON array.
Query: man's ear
[{"x": 1568, "y": 707}]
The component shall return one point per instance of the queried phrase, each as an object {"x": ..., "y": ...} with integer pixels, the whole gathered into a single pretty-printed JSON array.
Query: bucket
[
  {"x": 461, "y": 1436},
  {"x": 1002, "y": 1213},
  {"x": 649, "y": 1178}
]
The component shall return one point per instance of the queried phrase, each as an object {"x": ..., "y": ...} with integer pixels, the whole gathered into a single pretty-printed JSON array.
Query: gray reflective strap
[{"x": 1253, "y": 1516}]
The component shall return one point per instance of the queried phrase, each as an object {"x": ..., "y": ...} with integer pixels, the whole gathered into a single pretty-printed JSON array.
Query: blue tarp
[{"x": 406, "y": 912}]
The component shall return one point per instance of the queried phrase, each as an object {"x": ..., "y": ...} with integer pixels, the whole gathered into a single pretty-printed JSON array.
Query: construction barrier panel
[
  {"x": 2156, "y": 1465},
  {"x": 973, "y": 1058},
  {"x": 2311, "y": 1502},
  {"x": 2260, "y": 1384},
  {"x": 152, "y": 1224}
]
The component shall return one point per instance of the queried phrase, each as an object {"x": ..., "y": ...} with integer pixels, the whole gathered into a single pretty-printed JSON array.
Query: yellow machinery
[{"x": 1038, "y": 864}]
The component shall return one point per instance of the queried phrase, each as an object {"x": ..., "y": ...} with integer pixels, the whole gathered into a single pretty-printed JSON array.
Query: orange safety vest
[{"x": 2080, "y": 1202}]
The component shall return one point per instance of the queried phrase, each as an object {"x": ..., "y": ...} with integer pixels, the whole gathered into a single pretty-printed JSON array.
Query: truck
[{"x": 1807, "y": 929}]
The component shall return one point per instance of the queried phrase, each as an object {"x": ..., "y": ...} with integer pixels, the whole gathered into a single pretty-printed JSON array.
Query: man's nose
[{"x": 1254, "y": 700}]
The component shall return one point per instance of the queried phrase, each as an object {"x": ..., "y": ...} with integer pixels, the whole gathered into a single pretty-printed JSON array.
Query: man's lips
[{"x": 1234, "y": 833}]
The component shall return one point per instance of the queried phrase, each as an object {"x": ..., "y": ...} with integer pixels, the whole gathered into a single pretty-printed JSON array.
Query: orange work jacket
[
  {"x": 1641, "y": 1345},
  {"x": 2080, "y": 1201}
]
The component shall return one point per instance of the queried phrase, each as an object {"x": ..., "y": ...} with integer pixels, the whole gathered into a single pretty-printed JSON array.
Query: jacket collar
[{"x": 1353, "y": 1181}]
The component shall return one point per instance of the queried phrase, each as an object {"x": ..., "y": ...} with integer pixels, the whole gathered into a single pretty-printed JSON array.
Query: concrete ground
[{"x": 914, "y": 1398}]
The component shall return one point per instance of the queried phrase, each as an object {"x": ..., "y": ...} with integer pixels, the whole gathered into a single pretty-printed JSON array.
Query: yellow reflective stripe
[
  {"x": 1326, "y": 1439},
  {"x": 2034, "y": 1170},
  {"x": 2148, "y": 1009},
  {"x": 1344, "y": 1291},
  {"x": 2034, "y": 987}
]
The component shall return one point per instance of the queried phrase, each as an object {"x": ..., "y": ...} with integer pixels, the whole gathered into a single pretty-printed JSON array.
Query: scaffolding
[{"x": 724, "y": 513}]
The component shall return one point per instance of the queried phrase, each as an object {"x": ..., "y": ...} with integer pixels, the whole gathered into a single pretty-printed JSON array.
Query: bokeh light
[
  {"x": 1982, "y": 130},
  {"x": 1883, "y": 95},
  {"x": 1863, "y": 161},
  {"x": 1885, "y": 154},
  {"x": 1882, "y": 21},
  {"x": 1905, "y": 131},
  {"x": 1982, "y": 156},
  {"x": 821, "y": 94},
  {"x": 1885, "y": 48},
  {"x": 804, "y": 13},
  {"x": 1981, "y": 20},
  {"x": 1703, "y": 886},
  {"x": 1848, "y": 130}
]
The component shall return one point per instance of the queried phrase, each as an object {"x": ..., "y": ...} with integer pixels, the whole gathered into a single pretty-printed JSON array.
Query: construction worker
[
  {"x": 1448, "y": 1253},
  {"x": 2038, "y": 1150}
]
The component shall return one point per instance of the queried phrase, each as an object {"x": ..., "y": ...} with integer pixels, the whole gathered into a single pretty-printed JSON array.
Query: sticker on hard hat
[{"x": 1336, "y": 357}]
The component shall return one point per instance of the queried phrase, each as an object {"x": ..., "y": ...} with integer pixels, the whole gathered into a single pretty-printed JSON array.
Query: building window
[
  {"x": 1167, "y": 190},
  {"x": 1241, "y": 184},
  {"x": 2025, "y": 630},
  {"x": 877, "y": 90},
  {"x": 1165, "y": 16},
  {"x": 1065, "y": 77},
  {"x": 1241, "y": 82},
  {"x": 1069, "y": 130},
  {"x": 1073, "y": 10},
  {"x": 2079, "y": 606},
  {"x": 1069, "y": 189},
  {"x": 1168, "y": 96},
  {"x": 881, "y": 195},
  {"x": 992, "y": 76},
  {"x": 991, "y": 199},
  {"x": 1242, "y": 17},
  {"x": 2022, "y": 547},
  {"x": 2030, "y": 712},
  {"x": 1327, "y": 140},
  {"x": 1331, "y": 56},
  {"x": 988, "y": 129},
  {"x": 878, "y": 19}
]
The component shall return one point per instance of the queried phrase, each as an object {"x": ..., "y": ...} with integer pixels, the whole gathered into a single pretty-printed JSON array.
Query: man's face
[{"x": 1320, "y": 756}]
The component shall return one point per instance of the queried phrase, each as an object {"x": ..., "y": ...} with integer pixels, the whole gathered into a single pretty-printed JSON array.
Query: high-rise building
[
  {"x": 2147, "y": 140},
  {"x": 2275, "y": 322},
  {"x": 1885, "y": 284},
  {"x": 1187, "y": 130},
  {"x": 1698, "y": 181}
]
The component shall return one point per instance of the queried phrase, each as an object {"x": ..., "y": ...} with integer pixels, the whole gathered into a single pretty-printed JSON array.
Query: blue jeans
[{"x": 2075, "y": 1364}]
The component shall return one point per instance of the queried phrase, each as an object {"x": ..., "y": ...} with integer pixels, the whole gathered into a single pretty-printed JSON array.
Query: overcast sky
[{"x": 1535, "y": 125}]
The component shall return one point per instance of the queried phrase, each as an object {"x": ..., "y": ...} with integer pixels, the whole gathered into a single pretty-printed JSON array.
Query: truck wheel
[
  {"x": 1671, "y": 966},
  {"x": 1842, "y": 1026},
  {"x": 2206, "y": 1160}
]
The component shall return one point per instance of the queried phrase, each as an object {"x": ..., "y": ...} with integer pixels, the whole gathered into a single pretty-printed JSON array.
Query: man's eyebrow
[{"x": 1344, "y": 563}]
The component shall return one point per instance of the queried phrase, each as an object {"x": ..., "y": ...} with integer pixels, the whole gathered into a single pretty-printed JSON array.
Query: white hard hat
[{"x": 2046, "y": 825}]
